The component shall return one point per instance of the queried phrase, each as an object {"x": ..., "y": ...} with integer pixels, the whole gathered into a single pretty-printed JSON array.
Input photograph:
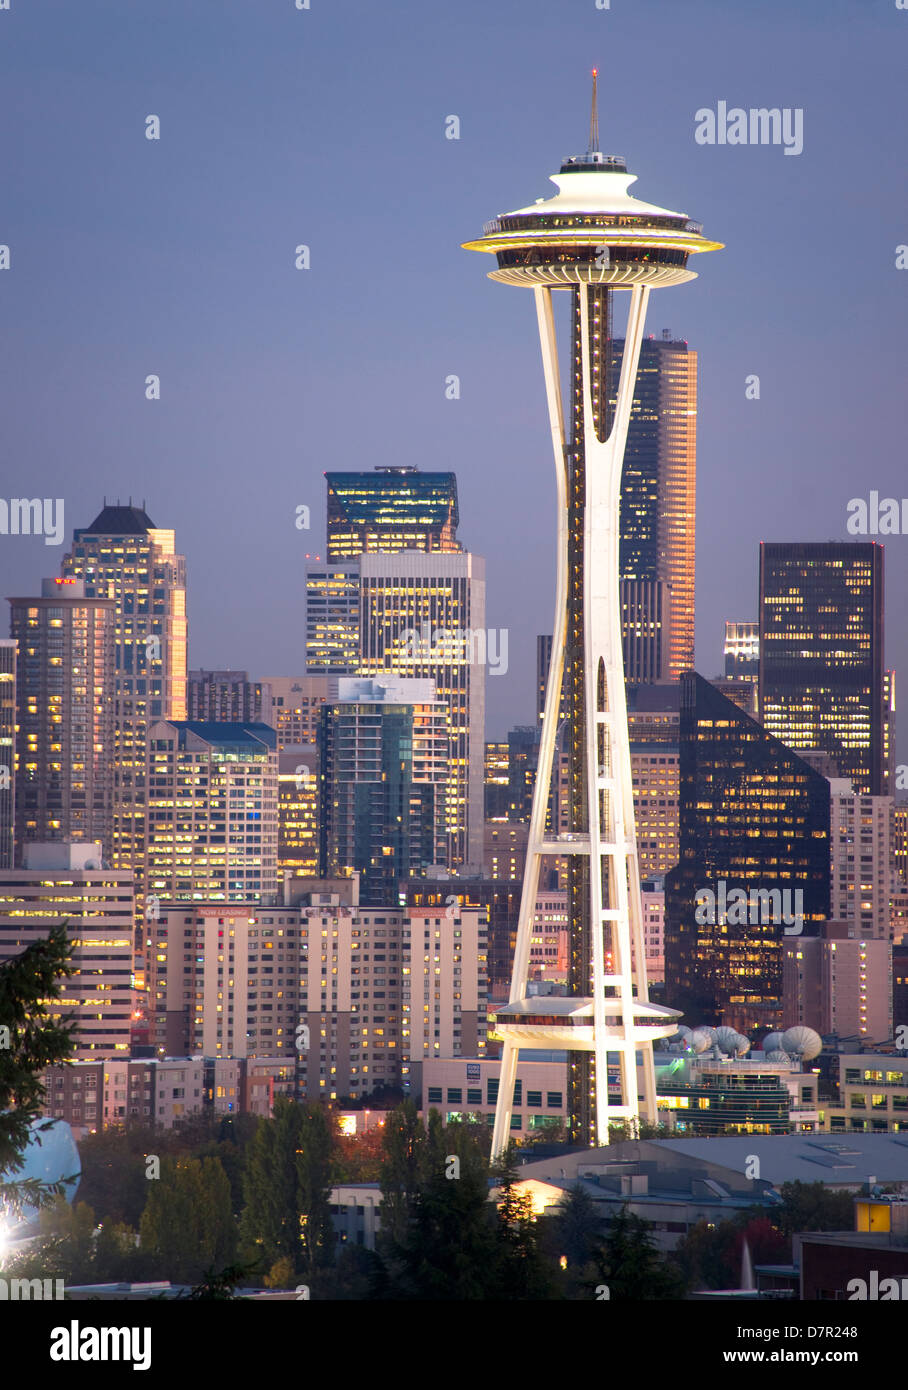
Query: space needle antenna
[{"x": 594, "y": 116}]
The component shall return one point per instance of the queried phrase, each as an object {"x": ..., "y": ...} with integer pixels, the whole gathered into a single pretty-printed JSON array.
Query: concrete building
[
  {"x": 861, "y": 860},
  {"x": 228, "y": 697},
  {"x": 505, "y": 849},
  {"x": 354, "y": 998},
  {"x": 653, "y": 721},
  {"x": 871, "y": 1096},
  {"x": 296, "y": 702},
  {"x": 66, "y": 883},
  {"x": 467, "y": 1088},
  {"x": 65, "y": 696},
  {"x": 212, "y": 824},
  {"x": 838, "y": 983}
]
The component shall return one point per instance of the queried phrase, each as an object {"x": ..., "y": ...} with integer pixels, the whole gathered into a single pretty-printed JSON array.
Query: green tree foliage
[
  {"x": 629, "y": 1263},
  {"x": 403, "y": 1141},
  {"x": 811, "y": 1206},
  {"x": 31, "y": 1039},
  {"x": 187, "y": 1227},
  {"x": 287, "y": 1185}
]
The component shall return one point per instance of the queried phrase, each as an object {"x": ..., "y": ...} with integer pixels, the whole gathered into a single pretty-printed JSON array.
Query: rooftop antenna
[{"x": 594, "y": 117}]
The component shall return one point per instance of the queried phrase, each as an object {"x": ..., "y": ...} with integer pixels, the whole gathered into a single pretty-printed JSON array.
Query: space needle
[{"x": 592, "y": 238}]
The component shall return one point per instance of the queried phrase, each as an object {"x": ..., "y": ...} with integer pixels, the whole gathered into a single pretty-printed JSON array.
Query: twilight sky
[{"x": 327, "y": 127}]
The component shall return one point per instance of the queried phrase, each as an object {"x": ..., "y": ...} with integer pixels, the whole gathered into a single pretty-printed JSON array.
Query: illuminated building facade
[
  {"x": 754, "y": 816},
  {"x": 391, "y": 509},
  {"x": 863, "y": 876},
  {"x": 8, "y": 650},
  {"x": 228, "y": 697},
  {"x": 839, "y": 983},
  {"x": 385, "y": 783},
  {"x": 296, "y": 702},
  {"x": 591, "y": 239},
  {"x": 653, "y": 722},
  {"x": 63, "y": 882},
  {"x": 424, "y": 616},
  {"x": 742, "y": 651},
  {"x": 123, "y": 556},
  {"x": 821, "y": 655},
  {"x": 298, "y": 810},
  {"x": 65, "y": 740},
  {"x": 332, "y": 619},
  {"x": 658, "y": 509},
  {"x": 497, "y": 774},
  {"x": 212, "y": 813}
]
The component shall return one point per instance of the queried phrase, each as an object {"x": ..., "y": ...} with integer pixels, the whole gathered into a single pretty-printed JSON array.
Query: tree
[
  {"x": 520, "y": 1271},
  {"x": 187, "y": 1227},
  {"x": 31, "y": 1039},
  {"x": 287, "y": 1186},
  {"x": 812, "y": 1206},
  {"x": 403, "y": 1141},
  {"x": 629, "y": 1263},
  {"x": 577, "y": 1227}
]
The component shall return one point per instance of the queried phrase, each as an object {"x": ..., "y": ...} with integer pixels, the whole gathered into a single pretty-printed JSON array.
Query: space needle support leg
[
  {"x": 613, "y": 841},
  {"x": 542, "y": 787}
]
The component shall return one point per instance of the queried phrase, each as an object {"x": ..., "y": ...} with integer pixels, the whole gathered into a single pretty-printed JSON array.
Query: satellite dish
[
  {"x": 701, "y": 1039},
  {"x": 726, "y": 1039},
  {"x": 742, "y": 1046},
  {"x": 802, "y": 1043},
  {"x": 776, "y": 1055},
  {"x": 772, "y": 1042}
]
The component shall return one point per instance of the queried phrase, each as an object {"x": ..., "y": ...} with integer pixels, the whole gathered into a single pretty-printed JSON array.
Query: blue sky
[{"x": 327, "y": 127}]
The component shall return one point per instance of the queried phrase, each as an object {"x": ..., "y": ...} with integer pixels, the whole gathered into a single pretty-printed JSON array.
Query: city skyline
[{"x": 249, "y": 364}]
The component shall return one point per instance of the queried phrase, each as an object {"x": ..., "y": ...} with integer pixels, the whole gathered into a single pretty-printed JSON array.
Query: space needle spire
[
  {"x": 593, "y": 238},
  {"x": 594, "y": 118}
]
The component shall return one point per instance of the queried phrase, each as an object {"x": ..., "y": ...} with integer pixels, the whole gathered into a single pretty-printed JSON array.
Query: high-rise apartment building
[
  {"x": 863, "y": 874},
  {"x": 8, "y": 652},
  {"x": 497, "y": 775},
  {"x": 211, "y": 813},
  {"x": 65, "y": 739},
  {"x": 332, "y": 618},
  {"x": 123, "y": 556},
  {"x": 358, "y": 997},
  {"x": 385, "y": 783},
  {"x": 296, "y": 703},
  {"x": 658, "y": 509},
  {"x": 65, "y": 883},
  {"x": 821, "y": 656},
  {"x": 228, "y": 697},
  {"x": 754, "y": 821},
  {"x": 838, "y": 983},
  {"x": 391, "y": 509}
]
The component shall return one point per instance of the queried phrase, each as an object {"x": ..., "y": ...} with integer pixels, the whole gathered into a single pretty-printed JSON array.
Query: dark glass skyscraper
[
  {"x": 821, "y": 684},
  {"x": 755, "y": 817},
  {"x": 391, "y": 509}
]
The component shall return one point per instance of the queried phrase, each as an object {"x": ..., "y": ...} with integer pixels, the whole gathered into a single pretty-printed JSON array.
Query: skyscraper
[
  {"x": 591, "y": 238},
  {"x": 8, "y": 648},
  {"x": 211, "y": 813},
  {"x": 754, "y": 818},
  {"x": 385, "y": 784},
  {"x": 65, "y": 741},
  {"x": 228, "y": 697},
  {"x": 742, "y": 651},
  {"x": 658, "y": 508},
  {"x": 65, "y": 883},
  {"x": 391, "y": 509},
  {"x": 123, "y": 556},
  {"x": 424, "y": 616},
  {"x": 821, "y": 655}
]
